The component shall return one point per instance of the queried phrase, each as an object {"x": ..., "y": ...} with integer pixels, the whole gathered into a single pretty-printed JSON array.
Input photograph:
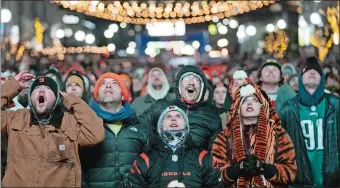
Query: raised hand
[
  {"x": 62, "y": 94},
  {"x": 23, "y": 77}
]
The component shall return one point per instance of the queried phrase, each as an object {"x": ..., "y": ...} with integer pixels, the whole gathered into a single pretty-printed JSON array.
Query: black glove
[
  {"x": 124, "y": 173},
  {"x": 244, "y": 169},
  {"x": 252, "y": 165},
  {"x": 268, "y": 170},
  {"x": 233, "y": 172}
]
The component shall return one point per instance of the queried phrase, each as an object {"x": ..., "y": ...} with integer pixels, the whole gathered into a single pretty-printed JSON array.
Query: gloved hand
[
  {"x": 234, "y": 171},
  {"x": 124, "y": 172},
  {"x": 244, "y": 168},
  {"x": 252, "y": 165},
  {"x": 268, "y": 170}
]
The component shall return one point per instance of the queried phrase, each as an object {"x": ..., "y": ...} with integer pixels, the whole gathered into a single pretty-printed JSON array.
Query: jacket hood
[
  {"x": 125, "y": 113},
  {"x": 85, "y": 95},
  {"x": 169, "y": 109},
  {"x": 56, "y": 108},
  {"x": 56, "y": 76},
  {"x": 285, "y": 93},
  {"x": 191, "y": 69},
  {"x": 158, "y": 94},
  {"x": 161, "y": 134},
  {"x": 306, "y": 98},
  {"x": 288, "y": 68},
  {"x": 210, "y": 88}
]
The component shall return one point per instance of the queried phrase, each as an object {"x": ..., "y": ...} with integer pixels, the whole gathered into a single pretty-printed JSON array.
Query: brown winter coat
[{"x": 50, "y": 159}]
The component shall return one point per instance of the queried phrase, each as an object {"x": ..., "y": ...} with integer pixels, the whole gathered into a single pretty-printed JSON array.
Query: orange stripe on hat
[{"x": 120, "y": 81}]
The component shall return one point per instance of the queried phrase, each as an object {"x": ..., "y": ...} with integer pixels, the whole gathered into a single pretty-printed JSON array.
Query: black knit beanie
[{"x": 312, "y": 63}]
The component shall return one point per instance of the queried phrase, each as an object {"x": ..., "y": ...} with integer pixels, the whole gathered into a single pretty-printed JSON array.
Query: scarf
[
  {"x": 308, "y": 99},
  {"x": 126, "y": 112}
]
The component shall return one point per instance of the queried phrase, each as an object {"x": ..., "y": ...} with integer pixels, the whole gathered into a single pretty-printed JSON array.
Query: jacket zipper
[
  {"x": 187, "y": 110},
  {"x": 297, "y": 116}
]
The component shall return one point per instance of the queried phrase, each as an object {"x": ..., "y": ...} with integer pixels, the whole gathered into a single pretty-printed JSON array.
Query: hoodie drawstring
[{"x": 42, "y": 131}]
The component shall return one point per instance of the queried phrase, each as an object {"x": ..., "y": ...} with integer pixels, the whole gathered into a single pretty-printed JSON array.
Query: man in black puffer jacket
[
  {"x": 312, "y": 121},
  {"x": 190, "y": 90},
  {"x": 173, "y": 162},
  {"x": 107, "y": 164}
]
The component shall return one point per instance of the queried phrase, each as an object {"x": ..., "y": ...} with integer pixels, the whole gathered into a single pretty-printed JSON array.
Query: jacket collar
[
  {"x": 149, "y": 99},
  {"x": 55, "y": 119}
]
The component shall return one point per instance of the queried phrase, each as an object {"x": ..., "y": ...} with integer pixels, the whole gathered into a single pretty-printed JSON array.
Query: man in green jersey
[{"x": 312, "y": 121}]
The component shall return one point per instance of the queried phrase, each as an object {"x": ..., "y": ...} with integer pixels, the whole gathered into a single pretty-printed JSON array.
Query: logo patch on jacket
[
  {"x": 133, "y": 129},
  {"x": 62, "y": 147}
]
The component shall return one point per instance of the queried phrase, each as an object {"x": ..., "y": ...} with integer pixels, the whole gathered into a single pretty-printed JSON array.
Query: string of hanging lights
[
  {"x": 277, "y": 43},
  {"x": 323, "y": 38},
  {"x": 152, "y": 11}
]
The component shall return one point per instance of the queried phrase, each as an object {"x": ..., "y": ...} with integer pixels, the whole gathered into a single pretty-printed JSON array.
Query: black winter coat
[
  {"x": 289, "y": 115},
  {"x": 205, "y": 122},
  {"x": 107, "y": 164},
  {"x": 159, "y": 168}
]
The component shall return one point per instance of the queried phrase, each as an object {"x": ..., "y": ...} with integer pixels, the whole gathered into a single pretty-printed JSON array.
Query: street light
[
  {"x": 60, "y": 33},
  {"x": 108, "y": 34},
  {"x": 251, "y": 30},
  {"x": 281, "y": 24},
  {"x": 233, "y": 24},
  {"x": 270, "y": 28},
  {"x": 89, "y": 39},
  {"x": 6, "y": 15},
  {"x": 113, "y": 27},
  {"x": 222, "y": 30},
  {"x": 79, "y": 35},
  {"x": 315, "y": 18},
  {"x": 222, "y": 43},
  {"x": 111, "y": 47}
]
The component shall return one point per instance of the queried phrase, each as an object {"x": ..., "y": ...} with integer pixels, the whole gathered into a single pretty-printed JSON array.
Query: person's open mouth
[
  {"x": 190, "y": 90},
  {"x": 108, "y": 92},
  {"x": 41, "y": 100},
  {"x": 174, "y": 125},
  {"x": 250, "y": 109}
]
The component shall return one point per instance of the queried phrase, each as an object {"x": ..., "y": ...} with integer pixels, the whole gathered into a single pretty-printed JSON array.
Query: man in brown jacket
[{"x": 43, "y": 141}]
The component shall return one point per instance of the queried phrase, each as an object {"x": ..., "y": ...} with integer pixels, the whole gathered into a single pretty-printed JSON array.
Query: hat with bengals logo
[{"x": 46, "y": 81}]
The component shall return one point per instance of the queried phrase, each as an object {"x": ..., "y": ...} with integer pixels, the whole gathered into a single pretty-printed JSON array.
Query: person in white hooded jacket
[{"x": 157, "y": 88}]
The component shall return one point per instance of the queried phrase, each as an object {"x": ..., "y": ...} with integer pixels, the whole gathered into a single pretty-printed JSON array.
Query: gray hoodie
[{"x": 144, "y": 102}]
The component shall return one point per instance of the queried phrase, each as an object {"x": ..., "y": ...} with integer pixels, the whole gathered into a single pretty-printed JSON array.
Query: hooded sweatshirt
[
  {"x": 55, "y": 115},
  {"x": 144, "y": 102},
  {"x": 56, "y": 76},
  {"x": 312, "y": 109},
  {"x": 205, "y": 122}
]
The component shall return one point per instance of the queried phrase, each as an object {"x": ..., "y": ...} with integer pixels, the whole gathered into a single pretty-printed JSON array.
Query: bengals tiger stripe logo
[{"x": 175, "y": 184}]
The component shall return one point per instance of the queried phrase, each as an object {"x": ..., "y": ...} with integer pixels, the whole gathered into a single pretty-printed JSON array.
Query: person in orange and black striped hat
[{"x": 254, "y": 150}]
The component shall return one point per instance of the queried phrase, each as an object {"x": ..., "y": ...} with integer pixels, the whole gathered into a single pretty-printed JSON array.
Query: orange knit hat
[{"x": 120, "y": 81}]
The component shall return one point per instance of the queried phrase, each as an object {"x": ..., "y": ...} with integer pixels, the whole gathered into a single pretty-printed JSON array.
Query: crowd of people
[{"x": 276, "y": 125}]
